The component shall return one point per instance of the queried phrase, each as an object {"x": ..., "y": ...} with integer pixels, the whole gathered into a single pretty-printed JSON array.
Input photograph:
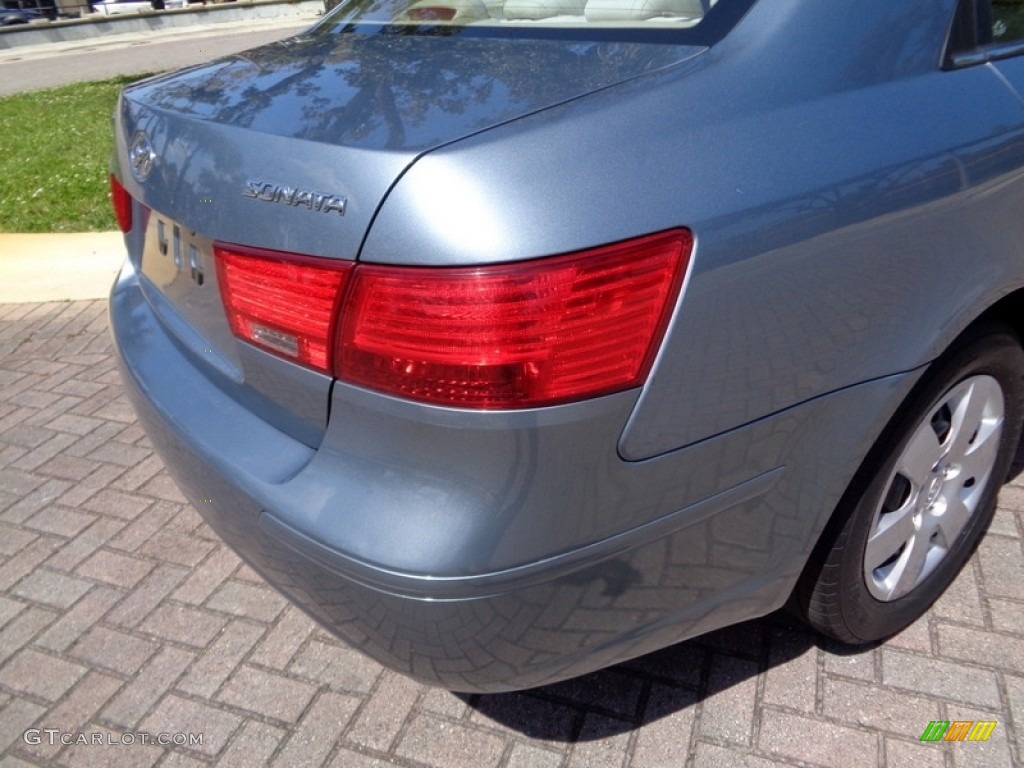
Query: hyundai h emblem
[{"x": 141, "y": 157}]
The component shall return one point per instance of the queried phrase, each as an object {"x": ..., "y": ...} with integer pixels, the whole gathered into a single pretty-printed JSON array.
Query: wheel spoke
[
  {"x": 886, "y": 541},
  {"x": 977, "y": 465},
  {"x": 953, "y": 519},
  {"x": 908, "y": 569},
  {"x": 920, "y": 456},
  {"x": 972, "y": 418}
]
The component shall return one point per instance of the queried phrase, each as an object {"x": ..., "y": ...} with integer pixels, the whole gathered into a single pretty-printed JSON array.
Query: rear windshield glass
[{"x": 497, "y": 14}]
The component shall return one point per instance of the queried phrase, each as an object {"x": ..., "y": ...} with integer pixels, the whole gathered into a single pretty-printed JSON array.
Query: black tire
[{"x": 857, "y": 595}]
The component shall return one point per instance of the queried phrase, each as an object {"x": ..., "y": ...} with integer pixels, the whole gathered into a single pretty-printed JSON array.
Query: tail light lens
[
  {"x": 122, "y": 203},
  {"x": 515, "y": 335},
  {"x": 280, "y": 303},
  {"x": 506, "y": 336}
]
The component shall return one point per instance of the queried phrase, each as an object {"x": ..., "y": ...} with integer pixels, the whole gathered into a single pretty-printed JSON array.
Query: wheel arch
[
  {"x": 1009, "y": 310},
  {"x": 1007, "y": 314}
]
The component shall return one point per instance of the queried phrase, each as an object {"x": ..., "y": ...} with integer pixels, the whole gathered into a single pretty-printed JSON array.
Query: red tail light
[
  {"x": 507, "y": 336},
  {"x": 280, "y": 303},
  {"x": 515, "y": 335},
  {"x": 122, "y": 203}
]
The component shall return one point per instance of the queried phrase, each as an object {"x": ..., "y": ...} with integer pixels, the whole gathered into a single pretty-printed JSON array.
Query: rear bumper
[{"x": 490, "y": 552}]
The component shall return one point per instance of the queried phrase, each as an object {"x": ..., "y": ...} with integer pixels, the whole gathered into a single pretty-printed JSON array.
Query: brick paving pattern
[{"x": 121, "y": 614}]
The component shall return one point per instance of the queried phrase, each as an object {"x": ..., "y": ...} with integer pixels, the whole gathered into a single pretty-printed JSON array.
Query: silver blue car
[{"x": 511, "y": 339}]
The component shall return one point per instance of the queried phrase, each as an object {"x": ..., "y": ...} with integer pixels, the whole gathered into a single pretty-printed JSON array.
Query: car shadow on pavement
[{"x": 663, "y": 684}]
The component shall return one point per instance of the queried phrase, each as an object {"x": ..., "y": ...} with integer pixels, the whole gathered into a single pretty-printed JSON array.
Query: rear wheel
[{"x": 924, "y": 497}]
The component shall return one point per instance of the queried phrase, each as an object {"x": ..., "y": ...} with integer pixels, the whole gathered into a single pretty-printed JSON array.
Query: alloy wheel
[{"x": 935, "y": 487}]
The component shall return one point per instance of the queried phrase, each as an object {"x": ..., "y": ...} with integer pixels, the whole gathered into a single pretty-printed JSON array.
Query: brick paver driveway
[{"x": 121, "y": 614}]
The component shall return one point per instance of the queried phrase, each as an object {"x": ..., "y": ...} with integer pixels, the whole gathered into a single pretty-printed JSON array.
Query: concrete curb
[
  {"x": 58, "y": 267},
  {"x": 72, "y": 30}
]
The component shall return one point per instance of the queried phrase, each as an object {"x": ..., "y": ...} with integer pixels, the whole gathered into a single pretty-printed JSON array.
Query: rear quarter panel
[{"x": 854, "y": 205}]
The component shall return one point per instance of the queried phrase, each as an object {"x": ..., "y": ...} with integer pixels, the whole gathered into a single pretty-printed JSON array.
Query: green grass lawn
[{"x": 54, "y": 154}]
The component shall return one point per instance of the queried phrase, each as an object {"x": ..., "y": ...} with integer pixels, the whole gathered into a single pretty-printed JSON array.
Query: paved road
[
  {"x": 46, "y": 66},
  {"x": 121, "y": 613}
]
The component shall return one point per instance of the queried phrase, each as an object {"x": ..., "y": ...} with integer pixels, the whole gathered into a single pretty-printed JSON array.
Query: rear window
[{"x": 497, "y": 14}]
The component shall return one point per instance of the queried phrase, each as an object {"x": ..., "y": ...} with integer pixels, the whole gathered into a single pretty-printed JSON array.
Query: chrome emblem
[
  {"x": 271, "y": 192},
  {"x": 141, "y": 157},
  {"x": 195, "y": 258}
]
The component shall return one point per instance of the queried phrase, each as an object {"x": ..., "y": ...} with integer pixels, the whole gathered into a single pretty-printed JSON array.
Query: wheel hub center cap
[{"x": 934, "y": 488}]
